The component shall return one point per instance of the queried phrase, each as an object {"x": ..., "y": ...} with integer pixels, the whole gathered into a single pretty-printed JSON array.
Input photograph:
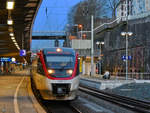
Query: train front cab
[{"x": 52, "y": 88}]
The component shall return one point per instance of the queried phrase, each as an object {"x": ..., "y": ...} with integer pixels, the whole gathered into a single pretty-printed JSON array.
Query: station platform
[
  {"x": 133, "y": 88},
  {"x": 113, "y": 82},
  {"x": 16, "y": 95}
]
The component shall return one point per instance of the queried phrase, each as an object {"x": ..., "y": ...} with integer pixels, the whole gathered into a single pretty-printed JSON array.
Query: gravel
[
  {"x": 105, "y": 106},
  {"x": 139, "y": 91}
]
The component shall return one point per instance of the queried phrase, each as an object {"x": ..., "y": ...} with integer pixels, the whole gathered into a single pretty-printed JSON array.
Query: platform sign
[
  {"x": 22, "y": 52},
  {"x": 124, "y": 58},
  {"x": 5, "y": 59},
  {"x": 129, "y": 57}
]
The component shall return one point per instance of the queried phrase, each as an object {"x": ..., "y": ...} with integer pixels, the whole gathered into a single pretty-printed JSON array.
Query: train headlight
[
  {"x": 69, "y": 72},
  {"x": 50, "y": 71}
]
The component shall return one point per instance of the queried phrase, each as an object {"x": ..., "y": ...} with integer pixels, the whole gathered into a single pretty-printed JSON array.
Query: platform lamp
[
  {"x": 126, "y": 34},
  {"x": 10, "y": 21},
  {"x": 100, "y": 44},
  {"x": 11, "y": 34},
  {"x": 10, "y": 4}
]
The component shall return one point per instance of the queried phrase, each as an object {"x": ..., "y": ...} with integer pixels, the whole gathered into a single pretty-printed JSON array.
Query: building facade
[
  {"x": 147, "y": 5},
  {"x": 124, "y": 7},
  {"x": 135, "y": 7}
]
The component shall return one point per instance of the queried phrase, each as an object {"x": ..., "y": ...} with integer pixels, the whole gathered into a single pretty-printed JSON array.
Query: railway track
[
  {"x": 130, "y": 103},
  {"x": 60, "y": 107}
]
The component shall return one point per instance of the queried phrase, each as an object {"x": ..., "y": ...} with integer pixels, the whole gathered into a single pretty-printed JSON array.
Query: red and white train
[{"x": 55, "y": 73}]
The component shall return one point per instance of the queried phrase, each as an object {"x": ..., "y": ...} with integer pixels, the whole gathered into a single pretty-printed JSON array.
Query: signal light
[
  {"x": 80, "y": 26},
  {"x": 84, "y": 35}
]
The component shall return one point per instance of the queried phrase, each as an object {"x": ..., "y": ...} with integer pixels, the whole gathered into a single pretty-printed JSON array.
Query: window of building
[
  {"x": 122, "y": 7},
  {"x": 122, "y": 14}
]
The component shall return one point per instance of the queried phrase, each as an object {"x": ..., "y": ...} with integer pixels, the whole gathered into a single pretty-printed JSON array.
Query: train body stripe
[{"x": 43, "y": 63}]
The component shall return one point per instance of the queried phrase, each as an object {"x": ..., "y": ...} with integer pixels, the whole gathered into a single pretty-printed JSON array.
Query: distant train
[{"x": 55, "y": 73}]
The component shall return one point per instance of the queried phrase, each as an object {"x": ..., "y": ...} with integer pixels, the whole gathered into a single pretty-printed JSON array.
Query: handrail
[{"x": 108, "y": 23}]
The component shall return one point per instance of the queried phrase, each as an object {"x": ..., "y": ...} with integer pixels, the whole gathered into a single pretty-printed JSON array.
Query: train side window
[{"x": 39, "y": 67}]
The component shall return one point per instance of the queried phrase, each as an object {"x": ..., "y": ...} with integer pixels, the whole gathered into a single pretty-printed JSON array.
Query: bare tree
[
  {"x": 81, "y": 13},
  {"x": 71, "y": 15},
  {"x": 113, "y": 4}
]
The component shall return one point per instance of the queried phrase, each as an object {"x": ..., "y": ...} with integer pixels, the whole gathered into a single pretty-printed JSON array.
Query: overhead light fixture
[
  {"x": 11, "y": 34},
  {"x": 13, "y": 59},
  {"x": 123, "y": 33},
  {"x": 12, "y": 38},
  {"x": 10, "y": 4},
  {"x": 130, "y": 33},
  {"x": 18, "y": 48},
  {"x": 10, "y": 22}
]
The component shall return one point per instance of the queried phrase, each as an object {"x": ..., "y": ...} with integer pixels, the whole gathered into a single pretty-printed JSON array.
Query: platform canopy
[{"x": 23, "y": 15}]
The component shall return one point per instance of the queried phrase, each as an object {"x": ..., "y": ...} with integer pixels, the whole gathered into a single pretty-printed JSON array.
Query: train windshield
[{"x": 60, "y": 61}]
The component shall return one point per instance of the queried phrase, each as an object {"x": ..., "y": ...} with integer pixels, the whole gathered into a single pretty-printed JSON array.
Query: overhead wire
[
  {"x": 53, "y": 11},
  {"x": 65, "y": 18}
]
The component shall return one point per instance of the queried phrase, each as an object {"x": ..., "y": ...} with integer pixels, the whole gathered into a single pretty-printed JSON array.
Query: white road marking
[{"x": 16, "y": 107}]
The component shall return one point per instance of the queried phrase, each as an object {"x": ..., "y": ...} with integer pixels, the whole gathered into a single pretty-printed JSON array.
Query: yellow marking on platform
[
  {"x": 35, "y": 102},
  {"x": 16, "y": 107}
]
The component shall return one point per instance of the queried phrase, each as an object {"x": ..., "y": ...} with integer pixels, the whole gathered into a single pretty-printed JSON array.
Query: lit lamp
[
  {"x": 13, "y": 59},
  {"x": 10, "y": 22},
  {"x": 99, "y": 43},
  {"x": 15, "y": 43},
  {"x": 126, "y": 33},
  {"x": 12, "y": 38},
  {"x": 10, "y": 4},
  {"x": 11, "y": 34},
  {"x": 102, "y": 43},
  {"x": 84, "y": 35},
  {"x": 80, "y": 26}
]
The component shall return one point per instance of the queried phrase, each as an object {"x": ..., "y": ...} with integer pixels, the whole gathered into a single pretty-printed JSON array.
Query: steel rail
[
  {"x": 130, "y": 103},
  {"x": 52, "y": 107},
  {"x": 76, "y": 110}
]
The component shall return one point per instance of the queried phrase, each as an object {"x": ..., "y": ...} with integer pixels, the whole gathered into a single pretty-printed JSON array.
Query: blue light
[{"x": 22, "y": 52}]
